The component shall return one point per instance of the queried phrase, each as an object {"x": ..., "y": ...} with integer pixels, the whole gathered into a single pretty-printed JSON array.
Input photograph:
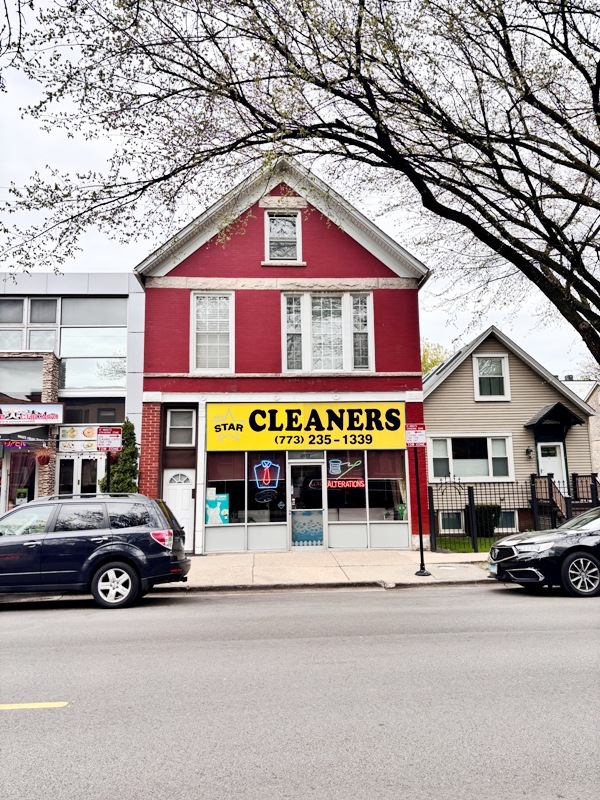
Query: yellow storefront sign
[{"x": 305, "y": 426}]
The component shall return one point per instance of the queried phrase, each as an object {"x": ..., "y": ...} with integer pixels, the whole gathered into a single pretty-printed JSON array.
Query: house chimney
[{"x": 568, "y": 377}]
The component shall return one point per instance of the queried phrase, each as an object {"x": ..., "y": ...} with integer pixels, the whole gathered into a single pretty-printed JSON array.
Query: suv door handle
[
  {"x": 99, "y": 539},
  {"x": 30, "y": 544}
]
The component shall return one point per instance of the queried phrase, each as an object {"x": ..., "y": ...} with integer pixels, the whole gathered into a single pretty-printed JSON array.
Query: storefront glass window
[
  {"x": 21, "y": 378},
  {"x": 11, "y": 310},
  {"x": 93, "y": 342},
  {"x": 42, "y": 340},
  {"x": 346, "y": 495},
  {"x": 94, "y": 311},
  {"x": 386, "y": 485},
  {"x": 266, "y": 487},
  {"x": 11, "y": 339},
  {"x": 225, "y": 488},
  {"x": 22, "y": 478},
  {"x": 91, "y": 373},
  {"x": 42, "y": 310}
]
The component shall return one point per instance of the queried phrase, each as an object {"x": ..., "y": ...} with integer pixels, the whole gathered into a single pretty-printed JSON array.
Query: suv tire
[{"x": 115, "y": 585}]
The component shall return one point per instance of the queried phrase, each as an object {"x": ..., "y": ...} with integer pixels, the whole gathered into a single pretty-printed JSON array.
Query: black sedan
[{"x": 568, "y": 556}]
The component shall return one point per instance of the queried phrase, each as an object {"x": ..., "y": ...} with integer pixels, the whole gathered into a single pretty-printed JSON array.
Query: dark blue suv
[{"x": 116, "y": 546}]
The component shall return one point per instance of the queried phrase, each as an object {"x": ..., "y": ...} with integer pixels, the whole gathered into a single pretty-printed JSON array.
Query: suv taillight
[{"x": 164, "y": 538}]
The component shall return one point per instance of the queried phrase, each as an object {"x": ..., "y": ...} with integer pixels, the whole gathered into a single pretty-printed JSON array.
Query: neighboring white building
[
  {"x": 74, "y": 344},
  {"x": 589, "y": 391}
]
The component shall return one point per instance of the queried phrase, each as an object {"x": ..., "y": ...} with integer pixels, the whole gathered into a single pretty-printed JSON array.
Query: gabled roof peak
[
  {"x": 258, "y": 185},
  {"x": 437, "y": 376}
]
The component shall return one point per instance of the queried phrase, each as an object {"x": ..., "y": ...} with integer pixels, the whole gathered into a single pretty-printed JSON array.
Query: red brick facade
[
  {"x": 333, "y": 262},
  {"x": 149, "y": 482}
]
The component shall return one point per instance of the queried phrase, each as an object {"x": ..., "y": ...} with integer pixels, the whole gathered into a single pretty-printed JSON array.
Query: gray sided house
[{"x": 500, "y": 423}]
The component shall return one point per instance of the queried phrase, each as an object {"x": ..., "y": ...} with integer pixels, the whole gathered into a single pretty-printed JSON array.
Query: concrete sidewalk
[{"x": 329, "y": 568}]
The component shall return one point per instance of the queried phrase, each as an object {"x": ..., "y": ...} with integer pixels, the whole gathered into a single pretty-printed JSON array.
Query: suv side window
[
  {"x": 130, "y": 515},
  {"x": 80, "y": 517},
  {"x": 30, "y": 521}
]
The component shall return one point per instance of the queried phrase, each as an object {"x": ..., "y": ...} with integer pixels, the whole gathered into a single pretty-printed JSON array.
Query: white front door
[
  {"x": 178, "y": 494},
  {"x": 551, "y": 458}
]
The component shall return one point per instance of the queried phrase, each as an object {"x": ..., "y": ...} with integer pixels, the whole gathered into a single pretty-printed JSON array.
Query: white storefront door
[
  {"x": 79, "y": 473},
  {"x": 178, "y": 494},
  {"x": 551, "y": 458}
]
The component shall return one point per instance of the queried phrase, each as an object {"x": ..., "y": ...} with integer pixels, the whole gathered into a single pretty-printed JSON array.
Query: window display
[
  {"x": 266, "y": 487},
  {"x": 386, "y": 485},
  {"x": 225, "y": 477},
  {"x": 346, "y": 495}
]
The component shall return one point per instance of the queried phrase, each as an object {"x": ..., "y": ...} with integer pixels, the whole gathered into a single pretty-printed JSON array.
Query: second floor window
[
  {"x": 213, "y": 332},
  {"x": 491, "y": 377},
  {"x": 328, "y": 333},
  {"x": 283, "y": 236}
]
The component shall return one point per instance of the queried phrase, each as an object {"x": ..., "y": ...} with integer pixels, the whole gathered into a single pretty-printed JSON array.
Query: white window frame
[
  {"x": 454, "y": 531},
  {"x": 217, "y": 370},
  {"x": 347, "y": 333},
  {"x": 475, "y": 478},
  {"x": 515, "y": 528},
  {"x": 493, "y": 398},
  {"x": 283, "y": 262},
  {"x": 169, "y": 427}
]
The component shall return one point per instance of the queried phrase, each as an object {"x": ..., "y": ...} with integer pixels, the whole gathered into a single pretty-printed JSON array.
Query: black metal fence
[{"x": 469, "y": 517}]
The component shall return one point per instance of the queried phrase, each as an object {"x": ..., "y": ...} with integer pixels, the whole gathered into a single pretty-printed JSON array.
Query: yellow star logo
[{"x": 228, "y": 426}]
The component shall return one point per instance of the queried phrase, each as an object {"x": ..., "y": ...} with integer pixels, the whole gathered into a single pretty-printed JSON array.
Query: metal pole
[
  {"x": 421, "y": 572},
  {"x": 108, "y": 473}
]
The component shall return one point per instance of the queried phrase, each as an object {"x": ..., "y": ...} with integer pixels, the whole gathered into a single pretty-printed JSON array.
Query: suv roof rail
[{"x": 87, "y": 495}]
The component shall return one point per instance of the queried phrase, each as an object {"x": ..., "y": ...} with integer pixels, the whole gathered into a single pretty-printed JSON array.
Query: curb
[{"x": 385, "y": 585}]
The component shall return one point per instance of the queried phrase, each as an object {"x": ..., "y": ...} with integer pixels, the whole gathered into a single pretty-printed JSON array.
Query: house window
[
  {"x": 283, "y": 241},
  {"x": 490, "y": 375},
  {"x": 451, "y": 522},
  {"x": 328, "y": 333},
  {"x": 212, "y": 344},
  {"x": 471, "y": 458},
  {"x": 507, "y": 522},
  {"x": 181, "y": 424}
]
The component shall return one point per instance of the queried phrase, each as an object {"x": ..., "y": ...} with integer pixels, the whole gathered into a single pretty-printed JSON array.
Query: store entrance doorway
[
  {"x": 79, "y": 474},
  {"x": 307, "y": 504}
]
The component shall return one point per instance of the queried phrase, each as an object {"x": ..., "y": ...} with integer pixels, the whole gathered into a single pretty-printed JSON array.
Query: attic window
[
  {"x": 490, "y": 377},
  {"x": 283, "y": 238}
]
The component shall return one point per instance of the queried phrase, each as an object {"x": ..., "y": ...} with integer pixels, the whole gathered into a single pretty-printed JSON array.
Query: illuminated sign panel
[{"x": 305, "y": 426}]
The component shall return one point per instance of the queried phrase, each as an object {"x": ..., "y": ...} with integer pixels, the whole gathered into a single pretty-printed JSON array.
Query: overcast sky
[{"x": 25, "y": 149}]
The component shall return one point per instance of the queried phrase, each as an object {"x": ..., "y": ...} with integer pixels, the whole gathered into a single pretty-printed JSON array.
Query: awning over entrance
[
  {"x": 553, "y": 413},
  {"x": 39, "y": 433},
  {"x": 552, "y": 423}
]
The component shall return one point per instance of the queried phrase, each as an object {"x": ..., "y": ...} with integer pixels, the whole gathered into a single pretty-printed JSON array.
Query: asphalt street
[{"x": 437, "y": 692}]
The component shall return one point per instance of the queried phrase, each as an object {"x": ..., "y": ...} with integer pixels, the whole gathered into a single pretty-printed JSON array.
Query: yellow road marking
[{"x": 17, "y": 706}]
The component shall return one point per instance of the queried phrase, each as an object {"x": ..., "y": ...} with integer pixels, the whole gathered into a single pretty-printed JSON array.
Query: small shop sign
[
  {"x": 305, "y": 426},
  {"x": 416, "y": 435},
  {"x": 32, "y": 414},
  {"x": 77, "y": 439},
  {"x": 110, "y": 440}
]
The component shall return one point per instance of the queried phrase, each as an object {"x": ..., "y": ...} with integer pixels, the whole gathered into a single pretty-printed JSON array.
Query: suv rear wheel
[{"x": 115, "y": 585}]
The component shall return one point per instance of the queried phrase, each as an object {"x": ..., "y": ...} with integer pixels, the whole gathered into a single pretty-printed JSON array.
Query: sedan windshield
[{"x": 589, "y": 519}]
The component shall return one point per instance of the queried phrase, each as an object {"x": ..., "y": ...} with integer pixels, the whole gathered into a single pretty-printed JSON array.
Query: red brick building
[{"x": 282, "y": 363}]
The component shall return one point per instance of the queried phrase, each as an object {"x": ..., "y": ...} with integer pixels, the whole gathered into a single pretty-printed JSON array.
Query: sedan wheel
[
  {"x": 115, "y": 585},
  {"x": 581, "y": 575}
]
